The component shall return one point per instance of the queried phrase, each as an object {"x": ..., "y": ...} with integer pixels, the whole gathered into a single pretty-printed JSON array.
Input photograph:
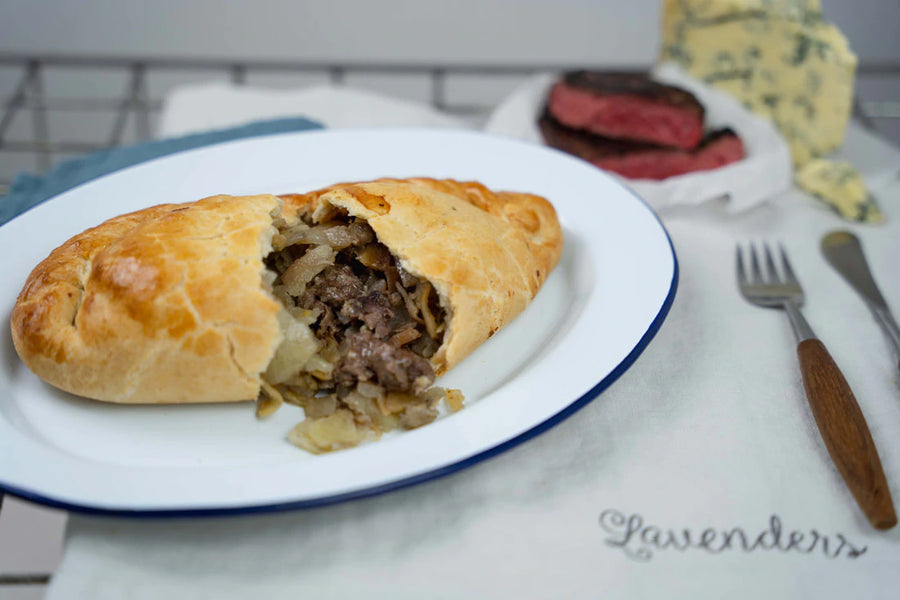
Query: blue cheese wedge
[
  {"x": 779, "y": 57},
  {"x": 840, "y": 185},
  {"x": 808, "y": 10}
]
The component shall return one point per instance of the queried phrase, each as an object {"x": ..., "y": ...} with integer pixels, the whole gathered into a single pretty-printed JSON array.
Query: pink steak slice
[
  {"x": 637, "y": 160},
  {"x": 627, "y": 106}
]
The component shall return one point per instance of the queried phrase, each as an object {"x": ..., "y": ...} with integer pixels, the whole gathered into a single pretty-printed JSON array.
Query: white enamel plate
[{"x": 596, "y": 313}]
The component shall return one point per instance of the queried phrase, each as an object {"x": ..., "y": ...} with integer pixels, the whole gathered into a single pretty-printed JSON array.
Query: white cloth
[
  {"x": 765, "y": 171},
  {"x": 202, "y": 107},
  {"x": 708, "y": 430}
]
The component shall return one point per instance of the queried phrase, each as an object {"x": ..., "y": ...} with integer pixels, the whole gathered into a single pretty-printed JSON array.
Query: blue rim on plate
[
  {"x": 388, "y": 487},
  {"x": 403, "y": 482}
]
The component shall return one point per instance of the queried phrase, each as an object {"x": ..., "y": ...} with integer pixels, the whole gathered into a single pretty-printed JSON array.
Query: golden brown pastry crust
[
  {"x": 430, "y": 224},
  {"x": 167, "y": 304},
  {"x": 162, "y": 305}
]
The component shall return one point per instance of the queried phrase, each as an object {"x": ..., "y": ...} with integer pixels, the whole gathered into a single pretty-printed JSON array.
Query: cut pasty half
[{"x": 347, "y": 301}]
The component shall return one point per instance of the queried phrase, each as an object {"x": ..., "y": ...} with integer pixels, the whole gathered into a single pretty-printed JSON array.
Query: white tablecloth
[{"x": 698, "y": 474}]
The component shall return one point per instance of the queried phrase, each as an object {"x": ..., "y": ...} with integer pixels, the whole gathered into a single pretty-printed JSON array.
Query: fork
[{"x": 837, "y": 414}]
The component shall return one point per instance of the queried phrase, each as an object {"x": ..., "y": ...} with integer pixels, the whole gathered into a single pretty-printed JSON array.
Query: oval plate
[{"x": 597, "y": 311}]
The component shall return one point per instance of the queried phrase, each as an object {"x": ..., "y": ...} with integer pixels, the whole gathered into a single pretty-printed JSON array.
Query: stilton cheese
[
  {"x": 694, "y": 10},
  {"x": 841, "y": 187},
  {"x": 779, "y": 57}
]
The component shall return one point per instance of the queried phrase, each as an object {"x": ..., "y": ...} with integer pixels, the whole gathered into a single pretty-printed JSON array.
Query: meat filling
[{"x": 359, "y": 330}]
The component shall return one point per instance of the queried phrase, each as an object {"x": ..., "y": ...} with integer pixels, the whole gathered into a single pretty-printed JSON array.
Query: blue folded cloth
[{"x": 29, "y": 190}]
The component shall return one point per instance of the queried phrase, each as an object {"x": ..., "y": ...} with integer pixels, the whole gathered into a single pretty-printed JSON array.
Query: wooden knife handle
[{"x": 845, "y": 433}]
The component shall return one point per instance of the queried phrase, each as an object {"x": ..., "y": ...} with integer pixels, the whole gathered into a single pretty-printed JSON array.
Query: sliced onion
[
  {"x": 334, "y": 432},
  {"x": 369, "y": 390},
  {"x": 307, "y": 316},
  {"x": 421, "y": 383},
  {"x": 294, "y": 234},
  {"x": 269, "y": 276},
  {"x": 404, "y": 336},
  {"x": 336, "y": 236},
  {"x": 297, "y": 346},
  {"x": 302, "y": 270},
  {"x": 279, "y": 242},
  {"x": 434, "y": 395},
  {"x": 364, "y": 409},
  {"x": 375, "y": 256},
  {"x": 269, "y": 401},
  {"x": 423, "y": 292},
  {"x": 406, "y": 278},
  {"x": 396, "y": 402},
  {"x": 281, "y": 294},
  {"x": 317, "y": 407},
  {"x": 418, "y": 415},
  {"x": 319, "y": 368},
  {"x": 292, "y": 397},
  {"x": 411, "y": 307},
  {"x": 455, "y": 400}
]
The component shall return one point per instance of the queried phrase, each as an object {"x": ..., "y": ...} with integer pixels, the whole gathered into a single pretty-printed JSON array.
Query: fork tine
[
  {"x": 789, "y": 276},
  {"x": 770, "y": 265},
  {"x": 741, "y": 273},
  {"x": 754, "y": 265}
]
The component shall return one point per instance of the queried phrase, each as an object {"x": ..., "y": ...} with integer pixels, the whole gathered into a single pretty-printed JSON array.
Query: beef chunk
[
  {"x": 373, "y": 309},
  {"x": 335, "y": 285},
  {"x": 367, "y": 358}
]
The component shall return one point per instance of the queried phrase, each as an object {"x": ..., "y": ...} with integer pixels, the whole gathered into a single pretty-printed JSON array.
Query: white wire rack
[
  {"x": 37, "y": 147},
  {"x": 134, "y": 109}
]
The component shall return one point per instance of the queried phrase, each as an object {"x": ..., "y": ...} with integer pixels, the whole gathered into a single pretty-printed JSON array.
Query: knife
[{"x": 843, "y": 251}]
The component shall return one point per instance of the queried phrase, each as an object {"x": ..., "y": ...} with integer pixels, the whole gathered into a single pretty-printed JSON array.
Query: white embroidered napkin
[
  {"x": 698, "y": 474},
  {"x": 203, "y": 107}
]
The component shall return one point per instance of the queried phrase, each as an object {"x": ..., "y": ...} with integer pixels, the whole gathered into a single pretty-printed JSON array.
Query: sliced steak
[
  {"x": 628, "y": 106},
  {"x": 643, "y": 161}
]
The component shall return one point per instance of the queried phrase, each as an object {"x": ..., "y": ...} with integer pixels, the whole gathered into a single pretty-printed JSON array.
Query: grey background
[{"x": 523, "y": 31}]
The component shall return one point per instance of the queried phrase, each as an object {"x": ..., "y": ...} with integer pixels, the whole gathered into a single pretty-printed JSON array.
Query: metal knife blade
[{"x": 843, "y": 251}]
